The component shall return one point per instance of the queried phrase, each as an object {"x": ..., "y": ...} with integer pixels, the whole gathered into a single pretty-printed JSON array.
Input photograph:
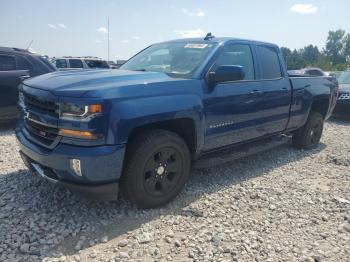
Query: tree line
[{"x": 334, "y": 57}]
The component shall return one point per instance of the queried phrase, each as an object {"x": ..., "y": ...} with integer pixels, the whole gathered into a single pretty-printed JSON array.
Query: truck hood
[
  {"x": 81, "y": 83},
  {"x": 344, "y": 88}
]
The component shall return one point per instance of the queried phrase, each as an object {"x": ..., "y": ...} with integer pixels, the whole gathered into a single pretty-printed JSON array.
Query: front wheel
[
  {"x": 310, "y": 134},
  {"x": 156, "y": 169}
]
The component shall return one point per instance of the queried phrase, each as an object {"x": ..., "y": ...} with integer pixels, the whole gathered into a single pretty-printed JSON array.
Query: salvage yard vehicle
[
  {"x": 343, "y": 102},
  {"x": 309, "y": 71},
  {"x": 137, "y": 130},
  {"x": 74, "y": 63},
  {"x": 15, "y": 65}
]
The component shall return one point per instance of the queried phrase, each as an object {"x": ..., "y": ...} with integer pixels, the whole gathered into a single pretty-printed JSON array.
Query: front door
[{"x": 233, "y": 110}]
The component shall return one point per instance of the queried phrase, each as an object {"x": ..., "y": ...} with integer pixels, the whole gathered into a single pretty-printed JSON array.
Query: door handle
[
  {"x": 255, "y": 92},
  {"x": 285, "y": 89}
]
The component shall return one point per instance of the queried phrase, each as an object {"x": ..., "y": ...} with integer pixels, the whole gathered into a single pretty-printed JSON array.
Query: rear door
[
  {"x": 10, "y": 78},
  {"x": 276, "y": 87}
]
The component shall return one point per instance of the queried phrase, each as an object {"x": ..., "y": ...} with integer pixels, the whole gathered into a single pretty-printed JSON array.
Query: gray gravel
[{"x": 282, "y": 205}]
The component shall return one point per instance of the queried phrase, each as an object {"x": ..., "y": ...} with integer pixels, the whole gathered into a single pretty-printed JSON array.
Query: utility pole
[{"x": 108, "y": 40}]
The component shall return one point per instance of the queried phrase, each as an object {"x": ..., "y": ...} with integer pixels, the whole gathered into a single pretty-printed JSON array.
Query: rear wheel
[
  {"x": 156, "y": 169},
  {"x": 310, "y": 134}
]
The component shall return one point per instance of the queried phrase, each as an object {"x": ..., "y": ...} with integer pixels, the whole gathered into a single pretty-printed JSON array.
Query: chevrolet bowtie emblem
[{"x": 26, "y": 115}]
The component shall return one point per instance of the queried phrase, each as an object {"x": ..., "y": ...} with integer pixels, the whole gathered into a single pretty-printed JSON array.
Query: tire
[
  {"x": 157, "y": 166},
  {"x": 310, "y": 134}
]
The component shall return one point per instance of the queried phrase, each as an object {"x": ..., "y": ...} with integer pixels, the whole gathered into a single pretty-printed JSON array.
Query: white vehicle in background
[
  {"x": 310, "y": 71},
  {"x": 85, "y": 62}
]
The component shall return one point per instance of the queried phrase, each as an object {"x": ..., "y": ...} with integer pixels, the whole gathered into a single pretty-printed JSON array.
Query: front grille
[
  {"x": 344, "y": 97},
  {"x": 37, "y": 104},
  {"x": 44, "y": 134}
]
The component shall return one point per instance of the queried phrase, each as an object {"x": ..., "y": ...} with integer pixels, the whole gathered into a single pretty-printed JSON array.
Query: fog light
[{"x": 76, "y": 166}]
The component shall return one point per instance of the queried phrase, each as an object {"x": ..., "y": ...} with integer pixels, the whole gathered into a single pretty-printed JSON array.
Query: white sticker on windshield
[{"x": 200, "y": 46}]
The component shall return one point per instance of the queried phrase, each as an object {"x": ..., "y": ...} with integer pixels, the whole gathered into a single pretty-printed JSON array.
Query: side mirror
[{"x": 227, "y": 73}]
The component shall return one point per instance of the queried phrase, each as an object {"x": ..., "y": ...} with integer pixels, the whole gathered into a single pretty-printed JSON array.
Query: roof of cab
[
  {"x": 16, "y": 50},
  {"x": 219, "y": 40}
]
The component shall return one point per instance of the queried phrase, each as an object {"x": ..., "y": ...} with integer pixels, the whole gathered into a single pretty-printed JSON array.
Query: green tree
[
  {"x": 347, "y": 48},
  {"x": 310, "y": 55},
  {"x": 335, "y": 46}
]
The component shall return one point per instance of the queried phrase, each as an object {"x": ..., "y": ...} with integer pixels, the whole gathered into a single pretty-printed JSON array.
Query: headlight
[{"x": 68, "y": 110}]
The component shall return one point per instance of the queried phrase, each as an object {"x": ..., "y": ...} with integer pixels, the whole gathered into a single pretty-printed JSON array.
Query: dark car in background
[
  {"x": 343, "y": 102},
  {"x": 86, "y": 62},
  {"x": 15, "y": 65}
]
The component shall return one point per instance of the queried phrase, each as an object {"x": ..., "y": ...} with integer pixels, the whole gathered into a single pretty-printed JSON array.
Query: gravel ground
[{"x": 283, "y": 205}]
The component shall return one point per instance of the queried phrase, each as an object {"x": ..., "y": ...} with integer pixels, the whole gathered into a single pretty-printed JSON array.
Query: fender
[
  {"x": 306, "y": 94},
  {"x": 127, "y": 115}
]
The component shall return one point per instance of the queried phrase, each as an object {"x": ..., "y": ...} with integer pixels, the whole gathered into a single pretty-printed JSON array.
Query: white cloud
[
  {"x": 136, "y": 37},
  {"x": 61, "y": 25},
  {"x": 97, "y": 41},
  {"x": 304, "y": 9},
  {"x": 199, "y": 13},
  {"x": 190, "y": 33},
  {"x": 52, "y": 26},
  {"x": 103, "y": 30},
  {"x": 125, "y": 41}
]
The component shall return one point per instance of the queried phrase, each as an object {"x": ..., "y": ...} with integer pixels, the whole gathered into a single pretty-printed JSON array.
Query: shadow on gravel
[
  {"x": 341, "y": 119},
  {"x": 53, "y": 219}
]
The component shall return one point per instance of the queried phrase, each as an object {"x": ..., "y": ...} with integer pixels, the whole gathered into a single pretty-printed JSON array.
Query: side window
[
  {"x": 61, "y": 63},
  {"x": 314, "y": 73},
  {"x": 238, "y": 54},
  {"x": 7, "y": 63},
  {"x": 23, "y": 64},
  {"x": 75, "y": 63},
  {"x": 270, "y": 62}
]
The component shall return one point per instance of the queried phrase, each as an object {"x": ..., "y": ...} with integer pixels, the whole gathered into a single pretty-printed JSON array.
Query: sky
[{"x": 79, "y": 27}]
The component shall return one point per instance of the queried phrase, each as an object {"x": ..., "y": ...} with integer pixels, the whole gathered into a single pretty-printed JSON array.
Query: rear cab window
[
  {"x": 270, "y": 62},
  {"x": 7, "y": 63}
]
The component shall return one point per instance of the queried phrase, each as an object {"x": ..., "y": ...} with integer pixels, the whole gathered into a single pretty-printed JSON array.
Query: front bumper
[
  {"x": 343, "y": 103},
  {"x": 101, "y": 166}
]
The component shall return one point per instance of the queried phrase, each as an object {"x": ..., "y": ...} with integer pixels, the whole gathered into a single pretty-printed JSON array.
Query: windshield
[
  {"x": 175, "y": 59},
  {"x": 344, "y": 78}
]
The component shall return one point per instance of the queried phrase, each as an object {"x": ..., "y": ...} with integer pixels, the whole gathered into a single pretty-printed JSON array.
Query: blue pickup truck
[{"x": 137, "y": 130}]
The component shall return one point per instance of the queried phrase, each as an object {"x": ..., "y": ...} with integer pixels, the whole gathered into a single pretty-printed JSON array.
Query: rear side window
[
  {"x": 7, "y": 63},
  {"x": 239, "y": 55},
  {"x": 270, "y": 62},
  {"x": 75, "y": 63},
  {"x": 61, "y": 63},
  {"x": 97, "y": 64}
]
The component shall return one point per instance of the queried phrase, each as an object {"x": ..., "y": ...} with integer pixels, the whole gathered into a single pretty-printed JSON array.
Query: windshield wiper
[{"x": 139, "y": 69}]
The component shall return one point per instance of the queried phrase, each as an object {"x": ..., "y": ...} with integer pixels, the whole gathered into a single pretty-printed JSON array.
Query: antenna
[
  {"x": 30, "y": 44},
  {"x": 208, "y": 36},
  {"x": 108, "y": 40}
]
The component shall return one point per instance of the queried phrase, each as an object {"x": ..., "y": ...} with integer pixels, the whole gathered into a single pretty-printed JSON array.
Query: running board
[{"x": 234, "y": 153}]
